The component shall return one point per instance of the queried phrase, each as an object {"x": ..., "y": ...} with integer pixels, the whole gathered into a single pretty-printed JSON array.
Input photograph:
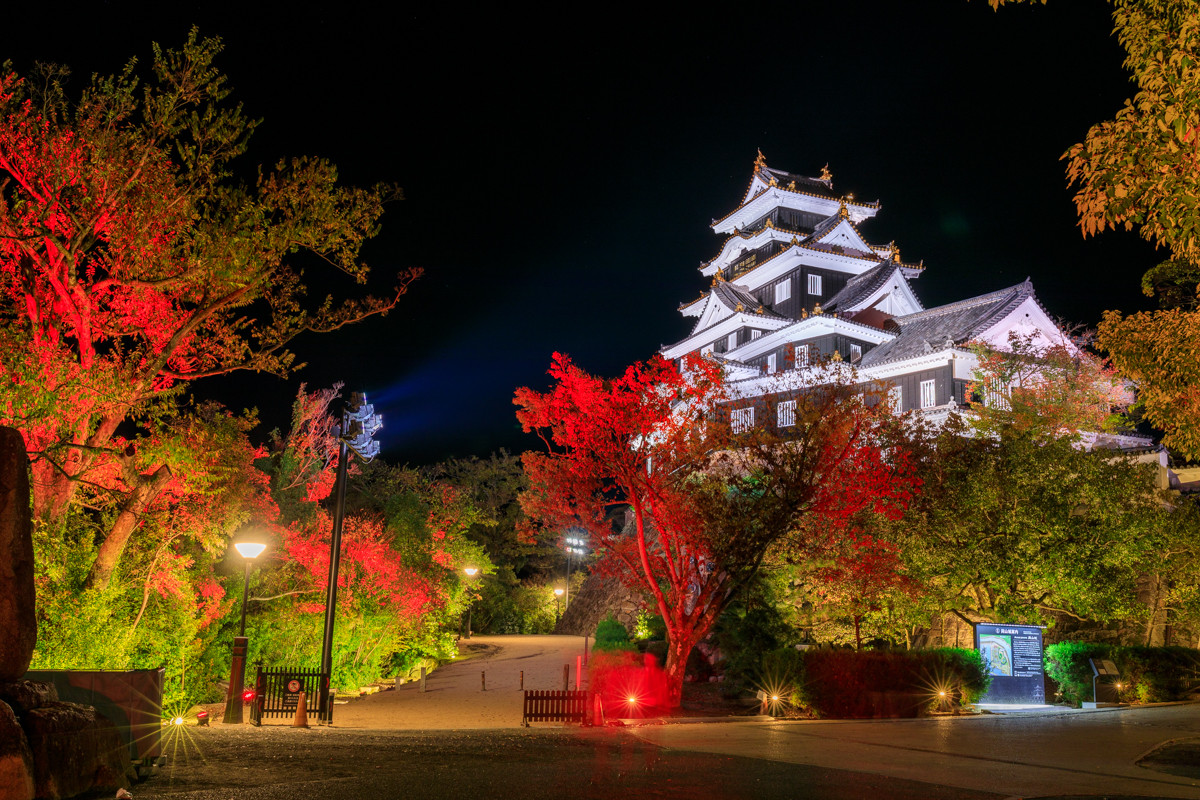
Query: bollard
[
  {"x": 566, "y": 676},
  {"x": 578, "y": 671},
  {"x": 482, "y": 681},
  {"x": 422, "y": 679},
  {"x": 585, "y": 645},
  {"x": 522, "y": 680}
]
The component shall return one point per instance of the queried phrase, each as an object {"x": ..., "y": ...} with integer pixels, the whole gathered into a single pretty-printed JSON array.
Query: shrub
[
  {"x": 611, "y": 635},
  {"x": 1148, "y": 674},
  {"x": 859, "y": 685}
]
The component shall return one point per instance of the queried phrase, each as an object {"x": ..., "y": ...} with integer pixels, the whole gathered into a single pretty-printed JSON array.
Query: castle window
[
  {"x": 801, "y": 356},
  {"x": 732, "y": 341},
  {"x": 928, "y": 394},
  {"x": 787, "y": 414},
  {"x": 754, "y": 335},
  {"x": 770, "y": 363},
  {"x": 741, "y": 419},
  {"x": 855, "y": 352},
  {"x": 783, "y": 290},
  {"x": 814, "y": 285},
  {"x": 896, "y": 399}
]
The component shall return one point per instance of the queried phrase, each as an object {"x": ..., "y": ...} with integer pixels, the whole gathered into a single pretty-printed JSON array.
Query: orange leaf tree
[{"x": 703, "y": 503}]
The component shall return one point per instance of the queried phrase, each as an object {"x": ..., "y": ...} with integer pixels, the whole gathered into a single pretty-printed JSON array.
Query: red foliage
[
  {"x": 704, "y": 503},
  {"x": 864, "y": 571},
  {"x": 629, "y": 684}
]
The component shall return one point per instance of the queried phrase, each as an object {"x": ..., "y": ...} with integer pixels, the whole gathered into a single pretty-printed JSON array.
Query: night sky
[{"x": 561, "y": 166}]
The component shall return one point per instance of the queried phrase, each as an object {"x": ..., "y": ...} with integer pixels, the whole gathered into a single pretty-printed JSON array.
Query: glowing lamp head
[
  {"x": 177, "y": 721},
  {"x": 201, "y": 718},
  {"x": 774, "y": 698},
  {"x": 942, "y": 693},
  {"x": 470, "y": 571},
  {"x": 250, "y": 550},
  {"x": 558, "y": 592},
  {"x": 1118, "y": 687},
  {"x": 632, "y": 700}
]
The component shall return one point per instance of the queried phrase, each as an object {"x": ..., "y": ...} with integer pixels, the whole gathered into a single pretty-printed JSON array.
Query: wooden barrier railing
[{"x": 555, "y": 706}]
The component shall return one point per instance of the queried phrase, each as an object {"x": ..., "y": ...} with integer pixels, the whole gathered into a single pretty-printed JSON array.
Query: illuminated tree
[
  {"x": 703, "y": 502},
  {"x": 134, "y": 262}
]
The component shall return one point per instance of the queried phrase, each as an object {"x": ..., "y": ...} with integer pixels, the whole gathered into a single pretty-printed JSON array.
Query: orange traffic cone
[{"x": 301, "y": 712}]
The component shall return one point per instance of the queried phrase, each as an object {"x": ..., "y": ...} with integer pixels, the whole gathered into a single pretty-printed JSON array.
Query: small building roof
[{"x": 949, "y": 325}]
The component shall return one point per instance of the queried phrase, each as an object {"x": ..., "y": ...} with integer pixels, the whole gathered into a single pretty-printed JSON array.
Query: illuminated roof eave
[
  {"x": 724, "y": 327},
  {"x": 817, "y": 325},
  {"x": 762, "y": 203}
]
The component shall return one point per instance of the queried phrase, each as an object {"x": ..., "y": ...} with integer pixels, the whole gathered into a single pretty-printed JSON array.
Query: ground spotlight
[{"x": 202, "y": 718}]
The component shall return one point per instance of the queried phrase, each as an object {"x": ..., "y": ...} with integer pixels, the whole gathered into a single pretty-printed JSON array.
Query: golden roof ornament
[
  {"x": 791, "y": 186},
  {"x": 842, "y": 211},
  {"x": 760, "y": 162},
  {"x": 837, "y": 356},
  {"x": 760, "y": 309},
  {"x": 826, "y": 175},
  {"x": 803, "y": 313},
  {"x": 817, "y": 310},
  {"x": 770, "y": 224},
  {"x": 773, "y": 182},
  {"x": 740, "y": 307},
  {"x": 795, "y": 240}
]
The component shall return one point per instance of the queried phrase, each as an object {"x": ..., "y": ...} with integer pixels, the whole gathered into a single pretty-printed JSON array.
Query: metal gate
[
  {"x": 277, "y": 693},
  {"x": 554, "y": 706}
]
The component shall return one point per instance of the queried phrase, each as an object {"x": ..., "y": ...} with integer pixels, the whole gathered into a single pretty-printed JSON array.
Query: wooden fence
[{"x": 555, "y": 706}]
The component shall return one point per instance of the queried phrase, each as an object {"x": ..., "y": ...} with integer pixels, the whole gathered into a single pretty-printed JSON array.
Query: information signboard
[{"x": 1013, "y": 656}]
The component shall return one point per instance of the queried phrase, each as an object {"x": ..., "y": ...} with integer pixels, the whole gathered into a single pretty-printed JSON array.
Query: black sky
[{"x": 561, "y": 166}]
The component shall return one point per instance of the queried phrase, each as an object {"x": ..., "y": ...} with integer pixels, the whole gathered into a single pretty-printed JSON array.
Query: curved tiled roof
[
  {"x": 949, "y": 325},
  {"x": 862, "y": 286}
]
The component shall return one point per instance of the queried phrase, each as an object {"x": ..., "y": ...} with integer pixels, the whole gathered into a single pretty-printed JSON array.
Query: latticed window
[
  {"x": 754, "y": 335},
  {"x": 855, "y": 352},
  {"x": 801, "y": 356},
  {"x": 786, "y": 414},
  {"x": 814, "y": 285},
  {"x": 770, "y": 363},
  {"x": 928, "y": 394},
  {"x": 896, "y": 399},
  {"x": 783, "y": 290},
  {"x": 731, "y": 342},
  {"x": 741, "y": 419}
]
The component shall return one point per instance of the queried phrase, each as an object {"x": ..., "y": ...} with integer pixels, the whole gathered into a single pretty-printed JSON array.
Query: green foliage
[
  {"x": 611, "y": 635},
  {"x": 749, "y": 628},
  {"x": 969, "y": 674},
  {"x": 649, "y": 627},
  {"x": 1147, "y": 674}
]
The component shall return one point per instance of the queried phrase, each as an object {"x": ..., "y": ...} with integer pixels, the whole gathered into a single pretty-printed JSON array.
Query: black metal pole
[
  {"x": 245, "y": 596},
  {"x": 335, "y": 556}
]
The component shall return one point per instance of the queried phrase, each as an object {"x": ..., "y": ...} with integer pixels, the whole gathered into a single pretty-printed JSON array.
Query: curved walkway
[{"x": 454, "y": 698}]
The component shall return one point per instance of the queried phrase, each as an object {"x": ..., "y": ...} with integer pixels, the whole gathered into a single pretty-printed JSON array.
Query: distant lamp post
[
  {"x": 249, "y": 550},
  {"x": 471, "y": 572},
  {"x": 558, "y": 593},
  {"x": 573, "y": 542},
  {"x": 359, "y": 424}
]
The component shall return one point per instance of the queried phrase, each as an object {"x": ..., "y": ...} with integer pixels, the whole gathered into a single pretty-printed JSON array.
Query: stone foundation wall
[{"x": 597, "y": 599}]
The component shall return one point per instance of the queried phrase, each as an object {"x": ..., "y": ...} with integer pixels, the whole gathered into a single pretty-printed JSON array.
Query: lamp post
[
  {"x": 470, "y": 574},
  {"x": 574, "y": 543},
  {"x": 359, "y": 424},
  {"x": 558, "y": 593},
  {"x": 249, "y": 550}
]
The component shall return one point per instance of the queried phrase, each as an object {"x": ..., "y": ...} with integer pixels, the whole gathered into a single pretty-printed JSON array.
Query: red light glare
[
  {"x": 632, "y": 700},
  {"x": 248, "y": 695},
  {"x": 201, "y": 714}
]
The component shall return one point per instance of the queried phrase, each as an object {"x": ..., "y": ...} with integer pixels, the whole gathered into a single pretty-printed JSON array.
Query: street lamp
[
  {"x": 359, "y": 424},
  {"x": 573, "y": 543},
  {"x": 558, "y": 593},
  {"x": 249, "y": 550},
  {"x": 470, "y": 574}
]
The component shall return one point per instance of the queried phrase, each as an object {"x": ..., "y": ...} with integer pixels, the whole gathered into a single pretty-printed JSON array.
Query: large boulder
[
  {"x": 75, "y": 750},
  {"x": 16, "y": 762},
  {"x": 24, "y": 696},
  {"x": 18, "y": 628}
]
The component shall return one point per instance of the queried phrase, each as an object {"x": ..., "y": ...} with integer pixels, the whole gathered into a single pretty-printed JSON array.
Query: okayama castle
[{"x": 795, "y": 285}]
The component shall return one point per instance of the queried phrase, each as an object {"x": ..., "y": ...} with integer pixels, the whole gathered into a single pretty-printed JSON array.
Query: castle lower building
[{"x": 796, "y": 284}]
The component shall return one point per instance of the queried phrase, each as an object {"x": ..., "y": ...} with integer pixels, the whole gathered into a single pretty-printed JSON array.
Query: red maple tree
[{"x": 703, "y": 501}]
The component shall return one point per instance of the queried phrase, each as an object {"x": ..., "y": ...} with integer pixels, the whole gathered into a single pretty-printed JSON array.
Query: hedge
[
  {"x": 847, "y": 684},
  {"x": 1148, "y": 674}
]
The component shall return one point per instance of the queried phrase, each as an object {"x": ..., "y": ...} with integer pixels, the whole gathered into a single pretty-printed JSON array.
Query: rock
[
  {"x": 75, "y": 750},
  {"x": 16, "y": 762},
  {"x": 18, "y": 628},
  {"x": 25, "y": 696}
]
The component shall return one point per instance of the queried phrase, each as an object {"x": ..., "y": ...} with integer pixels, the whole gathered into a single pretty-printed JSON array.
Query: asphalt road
[{"x": 284, "y": 763}]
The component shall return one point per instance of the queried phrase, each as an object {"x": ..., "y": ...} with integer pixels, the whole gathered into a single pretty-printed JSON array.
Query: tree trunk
[
  {"x": 126, "y": 523},
  {"x": 679, "y": 647},
  {"x": 857, "y": 633}
]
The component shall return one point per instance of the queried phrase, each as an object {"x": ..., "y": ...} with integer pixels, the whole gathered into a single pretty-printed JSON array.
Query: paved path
[
  {"x": 1017, "y": 756},
  {"x": 454, "y": 697}
]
